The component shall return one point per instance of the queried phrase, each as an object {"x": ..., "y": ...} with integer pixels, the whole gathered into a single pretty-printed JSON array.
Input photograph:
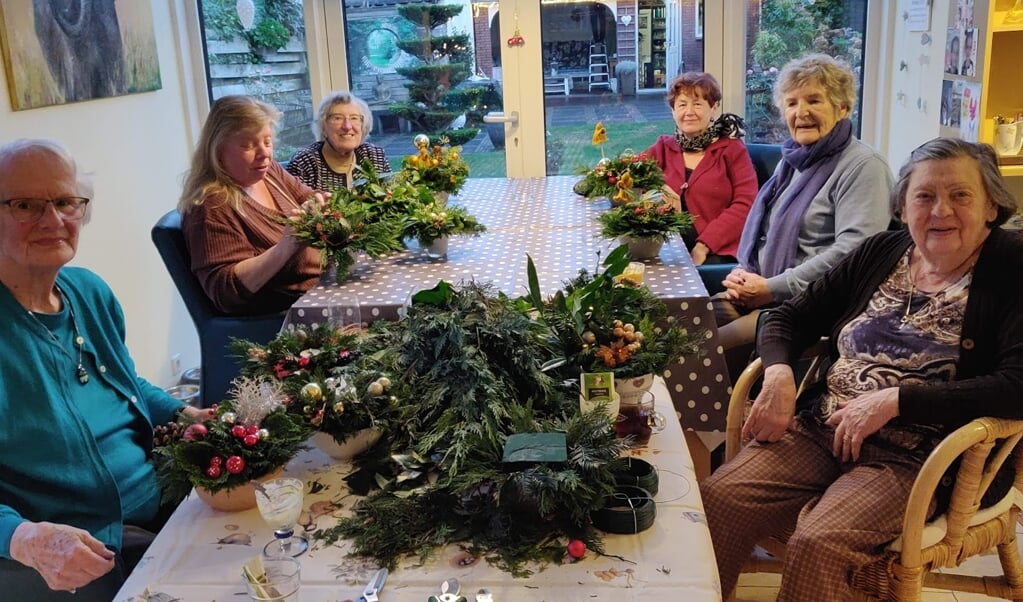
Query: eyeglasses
[
  {"x": 338, "y": 119},
  {"x": 71, "y": 208}
]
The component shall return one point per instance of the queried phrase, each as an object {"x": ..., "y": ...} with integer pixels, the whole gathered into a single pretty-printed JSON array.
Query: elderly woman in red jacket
[{"x": 706, "y": 164}]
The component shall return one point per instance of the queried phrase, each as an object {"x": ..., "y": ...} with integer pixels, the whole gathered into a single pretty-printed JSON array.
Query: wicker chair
[{"x": 982, "y": 446}]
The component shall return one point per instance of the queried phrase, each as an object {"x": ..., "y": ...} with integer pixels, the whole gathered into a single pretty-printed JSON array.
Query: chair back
[
  {"x": 215, "y": 329},
  {"x": 765, "y": 159}
]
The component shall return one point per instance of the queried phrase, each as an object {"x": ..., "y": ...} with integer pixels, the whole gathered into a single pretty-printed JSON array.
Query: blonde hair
[{"x": 206, "y": 176}]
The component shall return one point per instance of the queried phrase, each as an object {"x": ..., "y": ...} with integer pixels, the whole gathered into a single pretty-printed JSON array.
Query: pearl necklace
[{"x": 80, "y": 371}]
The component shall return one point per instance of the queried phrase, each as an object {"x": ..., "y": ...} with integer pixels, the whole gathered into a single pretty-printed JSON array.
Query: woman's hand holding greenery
[
  {"x": 431, "y": 221},
  {"x": 649, "y": 217}
]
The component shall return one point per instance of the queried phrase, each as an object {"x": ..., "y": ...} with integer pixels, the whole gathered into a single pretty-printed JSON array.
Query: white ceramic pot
[
  {"x": 237, "y": 498},
  {"x": 438, "y": 249},
  {"x": 350, "y": 448},
  {"x": 643, "y": 248}
]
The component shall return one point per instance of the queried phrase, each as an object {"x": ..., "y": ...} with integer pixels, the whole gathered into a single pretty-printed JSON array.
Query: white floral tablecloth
[
  {"x": 543, "y": 218},
  {"x": 199, "y": 553}
]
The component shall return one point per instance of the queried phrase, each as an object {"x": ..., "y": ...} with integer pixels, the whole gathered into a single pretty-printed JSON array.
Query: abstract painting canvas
[{"x": 61, "y": 51}]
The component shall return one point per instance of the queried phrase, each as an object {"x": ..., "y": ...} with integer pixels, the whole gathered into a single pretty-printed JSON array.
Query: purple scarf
[{"x": 817, "y": 162}]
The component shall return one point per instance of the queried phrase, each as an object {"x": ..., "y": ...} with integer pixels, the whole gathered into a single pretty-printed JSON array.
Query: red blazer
[{"x": 720, "y": 192}]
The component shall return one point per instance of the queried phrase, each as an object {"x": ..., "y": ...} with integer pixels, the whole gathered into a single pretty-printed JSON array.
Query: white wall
[{"x": 136, "y": 147}]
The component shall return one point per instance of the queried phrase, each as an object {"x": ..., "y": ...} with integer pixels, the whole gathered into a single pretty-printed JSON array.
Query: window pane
[
  {"x": 257, "y": 47},
  {"x": 781, "y": 30}
]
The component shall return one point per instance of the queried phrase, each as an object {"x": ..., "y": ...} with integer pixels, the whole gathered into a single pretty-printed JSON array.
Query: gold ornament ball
[
  {"x": 421, "y": 141},
  {"x": 339, "y": 408},
  {"x": 311, "y": 392},
  {"x": 375, "y": 389},
  {"x": 384, "y": 382}
]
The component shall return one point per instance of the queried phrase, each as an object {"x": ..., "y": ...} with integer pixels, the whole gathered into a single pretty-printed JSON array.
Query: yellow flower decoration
[
  {"x": 599, "y": 134},
  {"x": 624, "y": 184}
]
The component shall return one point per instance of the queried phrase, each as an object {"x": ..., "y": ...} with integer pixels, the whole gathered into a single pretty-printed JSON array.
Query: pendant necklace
[
  {"x": 80, "y": 371},
  {"x": 906, "y": 316}
]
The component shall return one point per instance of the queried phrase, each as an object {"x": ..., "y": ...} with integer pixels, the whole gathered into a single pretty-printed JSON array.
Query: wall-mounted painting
[{"x": 61, "y": 51}]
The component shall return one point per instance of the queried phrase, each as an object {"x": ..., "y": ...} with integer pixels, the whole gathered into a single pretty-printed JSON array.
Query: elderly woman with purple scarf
[{"x": 827, "y": 195}]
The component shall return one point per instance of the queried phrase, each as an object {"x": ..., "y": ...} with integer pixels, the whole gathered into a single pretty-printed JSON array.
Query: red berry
[
  {"x": 235, "y": 464},
  {"x": 576, "y": 548},
  {"x": 250, "y": 440},
  {"x": 195, "y": 432},
  {"x": 252, "y": 429},
  {"x": 216, "y": 461},
  {"x": 213, "y": 471},
  {"x": 238, "y": 431}
]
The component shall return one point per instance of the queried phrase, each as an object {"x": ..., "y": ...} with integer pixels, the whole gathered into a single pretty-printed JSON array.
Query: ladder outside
[{"x": 599, "y": 74}]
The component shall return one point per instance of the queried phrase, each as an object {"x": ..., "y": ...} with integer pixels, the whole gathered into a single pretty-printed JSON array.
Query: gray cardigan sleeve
[{"x": 852, "y": 206}]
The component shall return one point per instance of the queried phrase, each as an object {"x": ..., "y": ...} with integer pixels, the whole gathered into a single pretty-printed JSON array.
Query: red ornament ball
[
  {"x": 238, "y": 431},
  {"x": 195, "y": 432},
  {"x": 576, "y": 548},
  {"x": 213, "y": 471},
  {"x": 216, "y": 461},
  {"x": 252, "y": 429},
  {"x": 235, "y": 464},
  {"x": 250, "y": 440}
]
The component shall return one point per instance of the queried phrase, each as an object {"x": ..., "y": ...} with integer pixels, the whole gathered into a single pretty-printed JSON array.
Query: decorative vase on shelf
[
  {"x": 646, "y": 247},
  {"x": 437, "y": 249},
  {"x": 235, "y": 499},
  {"x": 350, "y": 448}
]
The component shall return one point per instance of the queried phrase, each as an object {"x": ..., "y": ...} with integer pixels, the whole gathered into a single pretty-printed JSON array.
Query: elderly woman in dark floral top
[{"x": 342, "y": 123}]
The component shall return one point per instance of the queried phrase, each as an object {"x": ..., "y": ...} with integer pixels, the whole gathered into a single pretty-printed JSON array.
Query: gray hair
[
  {"x": 833, "y": 75},
  {"x": 46, "y": 147},
  {"x": 940, "y": 149},
  {"x": 341, "y": 98}
]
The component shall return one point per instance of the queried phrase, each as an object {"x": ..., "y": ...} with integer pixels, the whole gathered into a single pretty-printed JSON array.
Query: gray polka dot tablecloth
[{"x": 543, "y": 218}]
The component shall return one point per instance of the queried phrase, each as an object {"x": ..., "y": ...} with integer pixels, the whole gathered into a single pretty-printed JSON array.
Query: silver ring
[{"x": 73, "y": 590}]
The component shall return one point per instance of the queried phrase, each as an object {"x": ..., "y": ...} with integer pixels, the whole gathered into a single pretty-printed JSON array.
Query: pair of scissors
[{"x": 374, "y": 586}]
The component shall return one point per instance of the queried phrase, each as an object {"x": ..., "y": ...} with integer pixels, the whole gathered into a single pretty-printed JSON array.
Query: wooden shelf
[
  {"x": 998, "y": 23},
  {"x": 1011, "y": 171}
]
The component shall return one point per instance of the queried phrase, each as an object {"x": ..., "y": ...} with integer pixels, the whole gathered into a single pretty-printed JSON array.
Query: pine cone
[{"x": 165, "y": 434}]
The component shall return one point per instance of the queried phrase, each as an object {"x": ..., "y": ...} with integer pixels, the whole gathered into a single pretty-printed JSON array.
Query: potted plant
[
  {"x": 645, "y": 224},
  {"x": 622, "y": 178},
  {"x": 604, "y": 322},
  {"x": 433, "y": 223},
  {"x": 252, "y": 437},
  {"x": 439, "y": 167},
  {"x": 315, "y": 366}
]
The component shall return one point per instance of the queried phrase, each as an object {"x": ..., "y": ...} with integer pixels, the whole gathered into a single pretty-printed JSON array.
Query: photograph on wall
[
  {"x": 952, "y": 54},
  {"x": 969, "y": 121},
  {"x": 946, "y": 102},
  {"x": 969, "y": 53},
  {"x": 75, "y": 50},
  {"x": 955, "y": 106}
]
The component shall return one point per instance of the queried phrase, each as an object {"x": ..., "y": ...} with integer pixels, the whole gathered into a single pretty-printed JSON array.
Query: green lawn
[
  {"x": 577, "y": 151},
  {"x": 576, "y": 148}
]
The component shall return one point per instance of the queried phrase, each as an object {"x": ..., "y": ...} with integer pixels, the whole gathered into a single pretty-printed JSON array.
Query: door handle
[{"x": 499, "y": 117}]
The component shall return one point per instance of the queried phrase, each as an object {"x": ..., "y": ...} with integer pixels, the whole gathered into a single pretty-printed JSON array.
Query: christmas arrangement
[
  {"x": 603, "y": 322},
  {"x": 251, "y": 436},
  {"x": 622, "y": 178},
  {"x": 466, "y": 364},
  {"x": 426, "y": 223},
  {"x": 314, "y": 367},
  {"x": 439, "y": 167},
  {"x": 346, "y": 223},
  {"x": 648, "y": 217}
]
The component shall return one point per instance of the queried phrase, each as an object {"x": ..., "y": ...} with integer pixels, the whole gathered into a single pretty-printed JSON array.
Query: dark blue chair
[
  {"x": 218, "y": 367},
  {"x": 765, "y": 158}
]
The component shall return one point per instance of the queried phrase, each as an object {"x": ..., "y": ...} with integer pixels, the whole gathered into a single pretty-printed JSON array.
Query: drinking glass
[
  {"x": 278, "y": 580},
  {"x": 280, "y": 504},
  {"x": 345, "y": 313}
]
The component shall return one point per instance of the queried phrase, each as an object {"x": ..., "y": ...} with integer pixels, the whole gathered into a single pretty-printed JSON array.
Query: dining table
[
  {"x": 199, "y": 553},
  {"x": 542, "y": 219}
]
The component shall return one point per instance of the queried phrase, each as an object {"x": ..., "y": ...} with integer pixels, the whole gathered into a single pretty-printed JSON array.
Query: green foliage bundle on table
[
  {"x": 439, "y": 167},
  {"x": 314, "y": 367},
  {"x": 427, "y": 223},
  {"x": 467, "y": 365},
  {"x": 649, "y": 217},
  {"x": 251, "y": 436},
  {"x": 606, "y": 322},
  {"x": 620, "y": 178}
]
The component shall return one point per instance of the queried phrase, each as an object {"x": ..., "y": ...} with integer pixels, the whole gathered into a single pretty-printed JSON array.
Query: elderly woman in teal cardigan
[{"x": 77, "y": 432}]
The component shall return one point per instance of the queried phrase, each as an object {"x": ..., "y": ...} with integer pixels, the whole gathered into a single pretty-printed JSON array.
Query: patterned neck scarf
[{"x": 726, "y": 125}]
